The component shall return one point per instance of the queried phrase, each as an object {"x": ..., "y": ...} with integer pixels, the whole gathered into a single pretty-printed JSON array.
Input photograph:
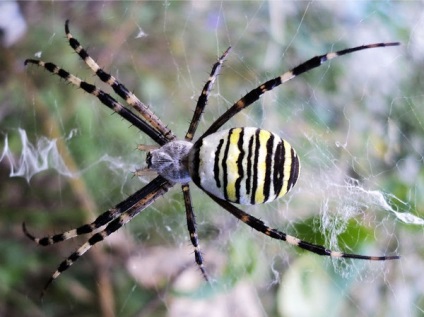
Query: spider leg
[
  {"x": 147, "y": 115},
  {"x": 203, "y": 98},
  {"x": 260, "y": 226},
  {"x": 254, "y": 95},
  {"x": 191, "y": 225},
  {"x": 97, "y": 237},
  {"x": 100, "y": 221},
  {"x": 128, "y": 209},
  {"x": 105, "y": 98}
]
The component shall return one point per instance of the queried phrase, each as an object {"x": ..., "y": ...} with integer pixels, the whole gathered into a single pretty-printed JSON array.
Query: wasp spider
[{"x": 244, "y": 165}]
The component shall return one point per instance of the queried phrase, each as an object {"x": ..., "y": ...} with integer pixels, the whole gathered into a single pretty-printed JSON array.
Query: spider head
[{"x": 170, "y": 161}]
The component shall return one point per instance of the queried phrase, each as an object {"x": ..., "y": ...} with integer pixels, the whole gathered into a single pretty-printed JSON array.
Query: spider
[{"x": 243, "y": 165}]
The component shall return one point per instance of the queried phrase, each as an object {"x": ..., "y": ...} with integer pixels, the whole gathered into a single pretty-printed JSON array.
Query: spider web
[{"x": 356, "y": 124}]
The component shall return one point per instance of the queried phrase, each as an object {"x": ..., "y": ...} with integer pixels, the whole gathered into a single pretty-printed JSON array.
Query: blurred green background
[{"x": 357, "y": 124}]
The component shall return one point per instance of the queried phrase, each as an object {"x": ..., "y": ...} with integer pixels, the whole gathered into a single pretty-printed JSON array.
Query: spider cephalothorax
[
  {"x": 238, "y": 165},
  {"x": 170, "y": 161}
]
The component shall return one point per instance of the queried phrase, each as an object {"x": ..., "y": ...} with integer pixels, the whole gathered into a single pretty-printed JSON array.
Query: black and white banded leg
[
  {"x": 191, "y": 226},
  {"x": 120, "y": 89},
  {"x": 255, "y": 94},
  {"x": 104, "y": 98},
  {"x": 121, "y": 214},
  {"x": 200, "y": 106},
  {"x": 203, "y": 98},
  {"x": 260, "y": 226}
]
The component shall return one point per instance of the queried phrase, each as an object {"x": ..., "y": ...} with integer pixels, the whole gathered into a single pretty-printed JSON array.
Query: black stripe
[
  {"x": 268, "y": 164},
  {"x": 294, "y": 170},
  {"x": 96, "y": 238},
  {"x": 240, "y": 169},
  {"x": 249, "y": 164},
  {"x": 216, "y": 163},
  {"x": 74, "y": 43},
  {"x": 74, "y": 256},
  {"x": 68, "y": 262},
  {"x": 52, "y": 67},
  {"x": 224, "y": 164},
  {"x": 117, "y": 87},
  {"x": 103, "y": 75},
  {"x": 46, "y": 240},
  {"x": 91, "y": 88},
  {"x": 308, "y": 65},
  {"x": 63, "y": 73},
  {"x": 318, "y": 249},
  {"x": 196, "y": 163},
  {"x": 57, "y": 238},
  {"x": 88, "y": 228},
  {"x": 113, "y": 226},
  {"x": 83, "y": 53},
  {"x": 255, "y": 167},
  {"x": 279, "y": 158}
]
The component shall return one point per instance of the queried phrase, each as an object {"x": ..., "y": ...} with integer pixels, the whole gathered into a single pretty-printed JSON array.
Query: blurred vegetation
[{"x": 357, "y": 124}]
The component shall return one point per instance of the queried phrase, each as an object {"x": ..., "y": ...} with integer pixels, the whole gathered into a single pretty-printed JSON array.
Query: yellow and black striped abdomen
[{"x": 244, "y": 165}]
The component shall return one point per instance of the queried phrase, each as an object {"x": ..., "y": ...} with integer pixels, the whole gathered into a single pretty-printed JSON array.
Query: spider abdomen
[{"x": 244, "y": 165}]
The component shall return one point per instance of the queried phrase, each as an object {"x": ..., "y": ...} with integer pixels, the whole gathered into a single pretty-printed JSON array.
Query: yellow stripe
[
  {"x": 232, "y": 170},
  {"x": 263, "y": 138}
]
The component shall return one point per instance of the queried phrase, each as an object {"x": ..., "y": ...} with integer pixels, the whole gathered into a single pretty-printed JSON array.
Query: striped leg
[
  {"x": 110, "y": 228},
  {"x": 123, "y": 213},
  {"x": 203, "y": 98},
  {"x": 148, "y": 116},
  {"x": 105, "y": 98},
  {"x": 276, "y": 234},
  {"x": 254, "y": 95},
  {"x": 100, "y": 221},
  {"x": 191, "y": 225}
]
